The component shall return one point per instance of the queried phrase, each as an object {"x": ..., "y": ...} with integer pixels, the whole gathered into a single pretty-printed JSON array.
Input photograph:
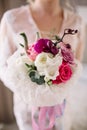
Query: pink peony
[
  {"x": 67, "y": 53},
  {"x": 67, "y": 56},
  {"x": 31, "y": 52},
  {"x": 65, "y": 74}
]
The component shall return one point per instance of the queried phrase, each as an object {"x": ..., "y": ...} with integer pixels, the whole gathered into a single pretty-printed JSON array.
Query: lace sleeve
[
  {"x": 81, "y": 39},
  {"x": 7, "y": 47}
]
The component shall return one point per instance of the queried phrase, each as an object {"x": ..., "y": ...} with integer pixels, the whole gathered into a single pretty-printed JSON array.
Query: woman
[{"x": 42, "y": 16}]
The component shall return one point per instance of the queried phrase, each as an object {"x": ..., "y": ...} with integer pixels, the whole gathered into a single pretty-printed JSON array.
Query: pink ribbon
[{"x": 46, "y": 114}]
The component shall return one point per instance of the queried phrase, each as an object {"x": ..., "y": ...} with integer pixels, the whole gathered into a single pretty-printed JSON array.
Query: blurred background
[{"x": 6, "y": 104}]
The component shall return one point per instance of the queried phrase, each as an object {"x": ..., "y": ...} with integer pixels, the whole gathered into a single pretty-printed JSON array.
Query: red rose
[
  {"x": 57, "y": 81},
  {"x": 65, "y": 74}
]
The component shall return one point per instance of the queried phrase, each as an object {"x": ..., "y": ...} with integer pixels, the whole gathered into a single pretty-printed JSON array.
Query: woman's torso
[{"x": 21, "y": 20}]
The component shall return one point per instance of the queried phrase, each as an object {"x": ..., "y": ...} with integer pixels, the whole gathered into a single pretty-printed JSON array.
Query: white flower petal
[
  {"x": 51, "y": 72},
  {"x": 41, "y": 59},
  {"x": 41, "y": 62},
  {"x": 57, "y": 60}
]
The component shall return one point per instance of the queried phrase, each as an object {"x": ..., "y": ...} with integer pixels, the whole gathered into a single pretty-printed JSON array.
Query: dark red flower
[{"x": 46, "y": 45}]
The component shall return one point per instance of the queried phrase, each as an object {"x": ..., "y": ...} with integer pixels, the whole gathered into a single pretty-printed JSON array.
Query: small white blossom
[{"x": 51, "y": 72}]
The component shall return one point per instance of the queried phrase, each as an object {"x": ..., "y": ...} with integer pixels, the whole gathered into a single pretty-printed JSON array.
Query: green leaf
[
  {"x": 25, "y": 39},
  {"x": 34, "y": 67},
  {"x": 41, "y": 80},
  {"x": 38, "y": 35},
  {"x": 33, "y": 79},
  {"x": 27, "y": 65},
  {"x": 57, "y": 38},
  {"x": 49, "y": 82},
  {"x": 32, "y": 73},
  {"x": 21, "y": 45}
]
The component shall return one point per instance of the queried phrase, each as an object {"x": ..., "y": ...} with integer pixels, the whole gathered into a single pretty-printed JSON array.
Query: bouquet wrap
[{"x": 31, "y": 92}]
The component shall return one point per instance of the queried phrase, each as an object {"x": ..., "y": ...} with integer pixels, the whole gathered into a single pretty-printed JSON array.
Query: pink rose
[
  {"x": 65, "y": 74},
  {"x": 32, "y": 53}
]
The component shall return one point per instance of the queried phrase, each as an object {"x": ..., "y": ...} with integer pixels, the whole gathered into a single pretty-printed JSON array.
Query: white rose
[{"x": 41, "y": 62}]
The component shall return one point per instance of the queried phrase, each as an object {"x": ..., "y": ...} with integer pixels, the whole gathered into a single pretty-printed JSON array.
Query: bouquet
[{"x": 42, "y": 74}]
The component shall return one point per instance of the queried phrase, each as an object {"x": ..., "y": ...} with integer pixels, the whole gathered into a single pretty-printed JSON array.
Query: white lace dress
[{"x": 20, "y": 20}]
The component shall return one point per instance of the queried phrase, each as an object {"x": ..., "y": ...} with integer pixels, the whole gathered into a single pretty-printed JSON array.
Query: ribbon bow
[{"x": 46, "y": 116}]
